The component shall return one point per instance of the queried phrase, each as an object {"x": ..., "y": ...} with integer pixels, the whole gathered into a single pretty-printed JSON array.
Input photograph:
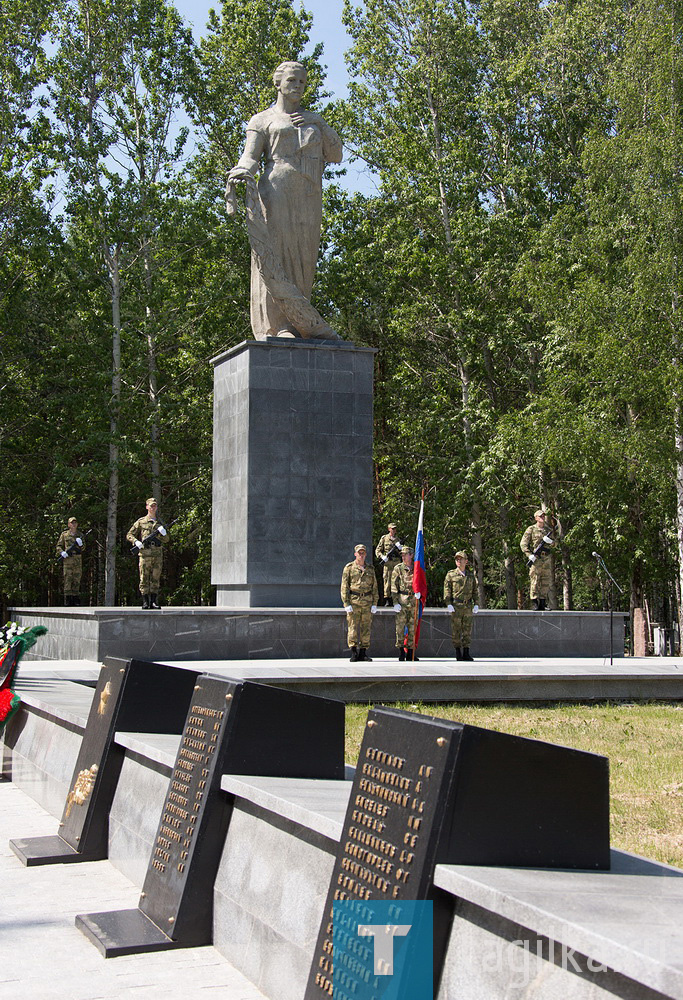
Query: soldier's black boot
[
  {"x": 541, "y": 604},
  {"x": 536, "y": 603},
  {"x": 75, "y": 601},
  {"x": 153, "y": 602},
  {"x": 458, "y": 653},
  {"x": 363, "y": 655},
  {"x": 145, "y": 602},
  {"x": 354, "y": 654},
  {"x": 401, "y": 654},
  {"x": 466, "y": 654},
  {"x": 409, "y": 656}
]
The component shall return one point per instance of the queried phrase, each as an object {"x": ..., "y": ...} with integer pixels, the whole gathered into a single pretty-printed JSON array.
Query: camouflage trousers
[
  {"x": 388, "y": 570},
  {"x": 359, "y": 622},
  {"x": 405, "y": 618},
  {"x": 461, "y": 625},
  {"x": 539, "y": 577},
  {"x": 150, "y": 571},
  {"x": 73, "y": 568}
]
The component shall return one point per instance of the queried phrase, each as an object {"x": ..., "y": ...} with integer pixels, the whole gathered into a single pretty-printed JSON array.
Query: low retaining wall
[{"x": 276, "y": 633}]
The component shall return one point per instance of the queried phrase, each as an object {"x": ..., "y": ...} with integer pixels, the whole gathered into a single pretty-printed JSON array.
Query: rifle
[
  {"x": 74, "y": 549},
  {"x": 397, "y": 547},
  {"x": 153, "y": 537}
]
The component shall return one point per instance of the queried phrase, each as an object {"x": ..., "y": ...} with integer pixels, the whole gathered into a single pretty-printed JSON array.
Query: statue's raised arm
[{"x": 288, "y": 148}]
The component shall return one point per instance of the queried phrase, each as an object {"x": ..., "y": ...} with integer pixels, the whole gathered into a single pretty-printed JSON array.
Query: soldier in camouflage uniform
[
  {"x": 539, "y": 570},
  {"x": 359, "y": 596},
  {"x": 458, "y": 591},
  {"x": 403, "y": 599},
  {"x": 148, "y": 541},
  {"x": 388, "y": 551},
  {"x": 73, "y": 563}
]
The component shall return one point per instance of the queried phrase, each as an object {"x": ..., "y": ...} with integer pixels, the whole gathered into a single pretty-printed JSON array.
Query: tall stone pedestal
[{"x": 292, "y": 470}]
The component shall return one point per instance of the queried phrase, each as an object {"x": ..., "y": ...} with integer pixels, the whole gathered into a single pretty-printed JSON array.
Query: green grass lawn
[{"x": 644, "y": 743}]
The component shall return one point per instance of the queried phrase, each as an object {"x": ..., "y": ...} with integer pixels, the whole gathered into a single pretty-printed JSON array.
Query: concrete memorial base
[
  {"x": 292, "y": 470},
  {"x": 283, "y": 633}
]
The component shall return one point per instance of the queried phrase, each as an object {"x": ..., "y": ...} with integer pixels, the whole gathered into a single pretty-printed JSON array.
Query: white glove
[
  {"x": 450, "y": 608},
  {"x": 475, "y": 609},
  {"x": 64, "y": 554},
  {"x": 138, "y": 543},
  {"x": 384, "y": 558},
  {"x": 399, "y": 546},
  {"x": 417, "y": 596},
  {"x": 532, "y": 558},
  {"x": 348, "y": 608},
  {"x": 79, "y": 541},
  {"x": 373, "y": 609},
  {"x": 547, "y": 539},
  {"x": 397, "y": 607},
  {"x": 162, "y": 530}
]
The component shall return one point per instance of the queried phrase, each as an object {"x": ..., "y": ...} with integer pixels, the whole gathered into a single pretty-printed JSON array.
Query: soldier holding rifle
[
  {"x": 388, "y": 551},
  {"x": 70, "y": 549},
  {"x": 147, "y": 536},
  {"x": 535, "y": 544}
]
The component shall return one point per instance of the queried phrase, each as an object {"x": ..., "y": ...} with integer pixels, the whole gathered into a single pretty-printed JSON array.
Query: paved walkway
[{"x": 44, "y": 957}]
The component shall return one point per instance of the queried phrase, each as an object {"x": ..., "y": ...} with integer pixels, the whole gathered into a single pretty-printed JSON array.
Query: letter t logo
[{"x": 384, "y": 935}]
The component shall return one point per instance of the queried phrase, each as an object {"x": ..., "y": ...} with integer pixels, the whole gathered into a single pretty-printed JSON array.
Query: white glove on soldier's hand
[
  {"x": 162, "y": 530},
  {"x": 138, "y": 543},
  {"x": 373, "y": 609},
  {"x": 532, "y": 558},
  {"x": 348, "y": 608},
  {"x": 450, "y": 608},
  {"x": 384, "y": 558},
  {"x": 64, "y": 554},
  {"x": 397, "y": 607},
  {"x": 417, "y": 596},
  {"x": 475, "y": 609},
  {"x": 547, "y": 539},
  {"x": 399, "y": 546},
  {"x": 79, "y": 541}
]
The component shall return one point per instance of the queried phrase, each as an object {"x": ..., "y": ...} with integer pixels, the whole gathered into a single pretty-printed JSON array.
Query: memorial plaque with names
[
  {"x": 429, "y": 791},
  {"x": 130, "y": 696},
  {"x": 231, "y": 727}
]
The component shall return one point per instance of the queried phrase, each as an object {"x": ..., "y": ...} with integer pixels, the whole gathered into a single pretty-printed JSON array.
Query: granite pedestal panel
[
  {"x": 284, "y": 633},
  {"x": 292, "y": 470}
]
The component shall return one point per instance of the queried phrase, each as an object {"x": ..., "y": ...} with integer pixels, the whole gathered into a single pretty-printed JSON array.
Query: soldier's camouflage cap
[
  {"x": 539, "y": 513},
  {"x": 151, "y": 500},
  {"x": 406, "y": 548},
  {"x": 72, "y": 520},
  {"x": 360, "y": 548},
  {"x": 461, "y": 554},
  {"x": 390, "y": 526}
]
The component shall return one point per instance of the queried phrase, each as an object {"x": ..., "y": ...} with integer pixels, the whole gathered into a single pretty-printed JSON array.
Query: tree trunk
[
  {"x": 113, "y": 495},
  {"x": 152, "y": 382},
  {"x": 510, "y": 576}
]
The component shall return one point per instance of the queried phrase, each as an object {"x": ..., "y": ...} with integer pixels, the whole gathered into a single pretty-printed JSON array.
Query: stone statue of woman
[{"x": 284, "y": 211}]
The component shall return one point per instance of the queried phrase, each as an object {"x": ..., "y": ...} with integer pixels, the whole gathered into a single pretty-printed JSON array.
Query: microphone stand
[{"x": 612, "y": 584}]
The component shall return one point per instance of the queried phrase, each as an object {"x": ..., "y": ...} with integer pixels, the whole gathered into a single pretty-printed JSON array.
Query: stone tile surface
[{"x": 43, "y": 955}]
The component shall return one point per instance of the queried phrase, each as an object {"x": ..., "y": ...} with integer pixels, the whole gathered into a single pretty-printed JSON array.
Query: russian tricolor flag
[{"x": 419, "y": 572}]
